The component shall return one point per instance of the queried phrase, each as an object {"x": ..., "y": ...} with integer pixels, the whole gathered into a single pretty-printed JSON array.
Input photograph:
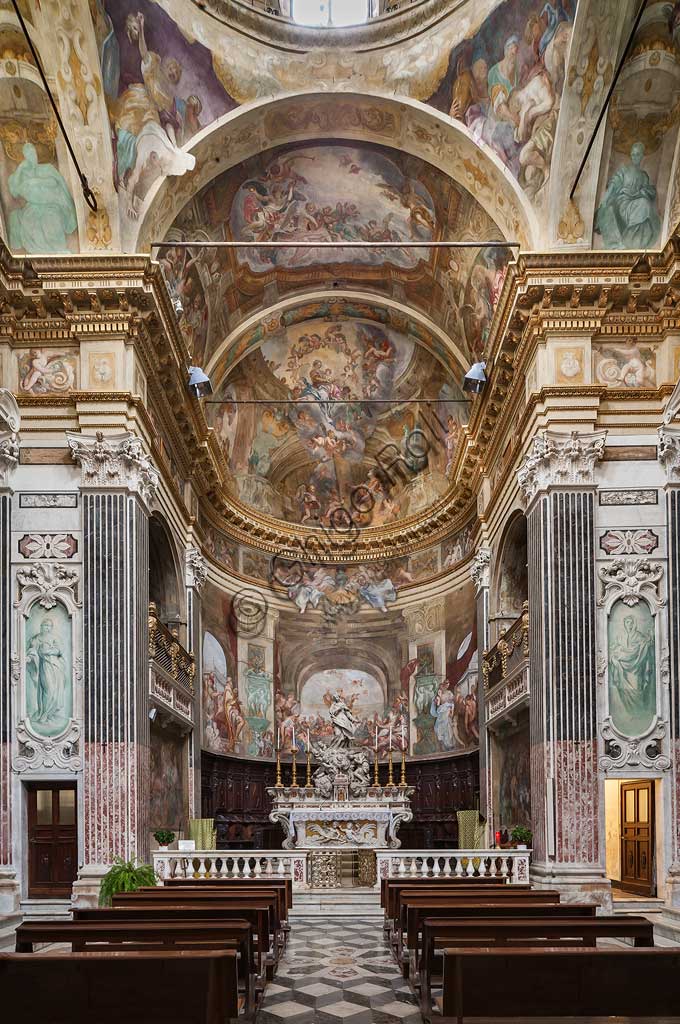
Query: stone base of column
[
  {"x": 10, "y": 907},
  {"x": 575, "y": 884},
  {"x": 672, "y": 887},
  {"x": 85, "y": 892}
]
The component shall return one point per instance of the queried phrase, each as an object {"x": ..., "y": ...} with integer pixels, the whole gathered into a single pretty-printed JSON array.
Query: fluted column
[
  {"x": 557, "y": 480},
  {"x": 118, "y": 481},
  {"x": 669, "y": 456},
  {"x": 9, "y": 457},
  {"x": 480, "y": 577}
]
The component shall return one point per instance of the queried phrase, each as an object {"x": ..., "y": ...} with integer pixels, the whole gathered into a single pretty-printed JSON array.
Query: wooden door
[
  {"x": 637, "y": 837},
  {"x": 52, "y": 840}
]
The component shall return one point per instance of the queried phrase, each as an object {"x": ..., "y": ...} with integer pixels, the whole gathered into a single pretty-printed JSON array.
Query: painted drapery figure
[
  {"x": 632, "y": 668},
  {"x": 48, "y": 214},
  {"x": 627, "y": 217},
  {"x": 47, "y": 669}
]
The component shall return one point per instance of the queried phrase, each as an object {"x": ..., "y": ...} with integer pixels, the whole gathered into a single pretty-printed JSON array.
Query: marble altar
[{"x": 341, "y": 809}]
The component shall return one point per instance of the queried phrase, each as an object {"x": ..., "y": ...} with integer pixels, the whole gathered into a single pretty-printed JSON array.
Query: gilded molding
[{"x": 115, "y": 460}]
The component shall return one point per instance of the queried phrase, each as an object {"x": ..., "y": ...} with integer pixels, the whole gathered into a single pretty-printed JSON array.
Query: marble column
[
  {"x": 196, "y": 575},
  {"x": 669, "y": 456},
  {"x": 118, "y": 482},
  {"x": 556, "y": 478},
  {"x": 9, "y": 457},
  {"x": 480, "y": 577}
]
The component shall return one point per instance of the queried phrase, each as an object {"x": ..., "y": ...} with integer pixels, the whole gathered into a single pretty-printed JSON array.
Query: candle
[
  {"x": 279, "y": 737},
  {"x": 403, "y": 734},
  {"x": 376, "y": 739},
  {"x": 390, "y": 737},
  {"x": 293, "y": 744},
  {"x": 309, "y": 747}
]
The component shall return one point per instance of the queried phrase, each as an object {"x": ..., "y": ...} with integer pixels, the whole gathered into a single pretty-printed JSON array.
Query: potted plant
[
  {"x": 521, "y": 837},
  {"x": 164, "y": 837},
  {"x": 124, "y": 876}
]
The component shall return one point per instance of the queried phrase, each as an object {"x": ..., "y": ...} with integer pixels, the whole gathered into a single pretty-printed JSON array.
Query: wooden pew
[
  {"x": 183, "y": 987},
  {"x": 259, "y": 910},
  {"x": 221, "y": 891},
  {"x": 238, "y": 934},
  {"x": 449, "y": 897},
  {"x": 388, "y": 883},
  {"x": 548, "y": 930},
  {"x": 267, "y": 881},
  {"x": 427, "y": 887},
  {"x": 416, "y": 911},
  {"x": 557, "y": 982}
]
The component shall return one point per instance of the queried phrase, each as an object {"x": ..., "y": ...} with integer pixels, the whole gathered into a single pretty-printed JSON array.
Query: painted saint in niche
[
  {"x": 632, "y": 668},
  {"x": 627, "y": 217},
  {"x": 47, "y": 666},
  {"x": 48, "y": 214}
]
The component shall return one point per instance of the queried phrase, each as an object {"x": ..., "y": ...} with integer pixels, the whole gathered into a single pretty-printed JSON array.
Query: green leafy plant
[
  {"x": 124, "y": 876},
  {"x": 522, "y": 835},
  {"x": 164, "y": 837}
]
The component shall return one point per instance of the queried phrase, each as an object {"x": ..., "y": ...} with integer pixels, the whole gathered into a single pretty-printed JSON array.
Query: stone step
[
  {"x": 8, "y": 925},
  {"x": 46, "y": 910},
  {"x": 342, "y": 902}
]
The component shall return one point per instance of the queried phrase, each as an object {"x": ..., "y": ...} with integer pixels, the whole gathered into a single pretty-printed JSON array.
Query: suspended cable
[
  {"x": 88, "y": 194},
  {"x": 334, "y": 245},
  {"x": 608, "y": 97}
]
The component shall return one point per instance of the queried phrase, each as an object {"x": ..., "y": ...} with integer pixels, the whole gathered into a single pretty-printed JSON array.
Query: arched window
[{"x": 335, "y": 13}]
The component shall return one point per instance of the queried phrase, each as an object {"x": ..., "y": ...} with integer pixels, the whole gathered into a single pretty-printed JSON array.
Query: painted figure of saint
[
  {"x": 47, "y": 667},
  {"x": 632, "y": 677},
  {"x": 627, "y": 217},
  {"x": 48, "y": 214}
]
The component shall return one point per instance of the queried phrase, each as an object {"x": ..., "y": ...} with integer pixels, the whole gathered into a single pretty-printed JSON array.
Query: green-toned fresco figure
[
  {"x": 48, "y": 671},
  {"x": 48, "y": 215},
  {"x": 632, "y": 668},
  {"x": 627, "y": 217}
]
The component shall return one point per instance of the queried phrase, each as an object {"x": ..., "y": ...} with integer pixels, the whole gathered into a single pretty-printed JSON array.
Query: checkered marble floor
[{"x": 338, "y": 972}]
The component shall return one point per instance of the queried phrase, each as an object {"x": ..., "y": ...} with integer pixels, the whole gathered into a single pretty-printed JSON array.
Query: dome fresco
[{"x": 331, "y": 401}]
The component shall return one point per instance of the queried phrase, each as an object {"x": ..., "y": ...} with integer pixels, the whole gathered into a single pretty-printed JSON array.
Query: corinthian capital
[
  {"x": 114, "y": 461},
  {"x": 9, "y": 435},
  {"x": 560, "y": 460},
  {"x": 479, "y": 570},
  {"x": 669, "y": 451}
]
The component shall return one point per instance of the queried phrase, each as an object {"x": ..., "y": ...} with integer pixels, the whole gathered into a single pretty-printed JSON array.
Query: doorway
[
  {"x": 52, "y": 839},
  {"x": 637, "y": 837}
]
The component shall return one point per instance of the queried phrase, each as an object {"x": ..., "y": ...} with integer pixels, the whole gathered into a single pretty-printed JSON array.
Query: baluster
[
  {"x": 470, "y": 870},
  {"x": 504, "y": 866},
  {"x": 268, "y": 867},
  {"x": 201, "y": 867},
  {"x": 281, "y": 870},
  {"x": 234, "y": 867},
  {"x": 258, "y": 868},
  {"x": 447, "y": 866},
  {"x": 246, "y": 867},
  {"x": 413, "y": 866},
  {"x": 223, "y": 872},
  {"x": 459, "y": 866},
  {"x": 402, "y": 867},
  {"x": 436, "y": 870}
]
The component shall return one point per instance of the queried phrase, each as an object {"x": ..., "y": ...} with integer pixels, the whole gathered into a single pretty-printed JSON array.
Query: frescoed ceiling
[
  {"x": 311, "y": 421},
  {"x": 339, "y": 193}
]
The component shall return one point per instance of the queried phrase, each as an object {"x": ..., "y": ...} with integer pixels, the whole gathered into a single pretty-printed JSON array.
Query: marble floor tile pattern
[{"x": 338, "y": 971}]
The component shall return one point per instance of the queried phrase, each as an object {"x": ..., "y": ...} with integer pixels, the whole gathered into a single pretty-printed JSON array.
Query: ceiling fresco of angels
[
  {"x": 341, "y": 193},
  {"x": 332, "y": 401}
]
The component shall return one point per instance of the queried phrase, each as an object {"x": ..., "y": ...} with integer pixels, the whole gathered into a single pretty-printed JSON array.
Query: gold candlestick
[
  {"x": 376, "y": 776},
  {"x": 294, "y": 779},
  {"x": 390, "y": 769},
  {"x": 403, "y": 783},
  {"x": 309, "y": 768},
  {"x": 279, "y": 782}
]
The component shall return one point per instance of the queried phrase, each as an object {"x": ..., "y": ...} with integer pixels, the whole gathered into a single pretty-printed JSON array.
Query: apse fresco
[
  {"x": 505, "y": 83},
  {"x": 413, "y": 689},
  {"x": 326, "y": 419},
  {"x": 307, "y": 715}
]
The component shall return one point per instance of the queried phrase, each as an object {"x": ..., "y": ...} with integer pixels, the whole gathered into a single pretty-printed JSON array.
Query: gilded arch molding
[
  {"x": 402, "y": 123},
  {"x": 253, "y": 331}
]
